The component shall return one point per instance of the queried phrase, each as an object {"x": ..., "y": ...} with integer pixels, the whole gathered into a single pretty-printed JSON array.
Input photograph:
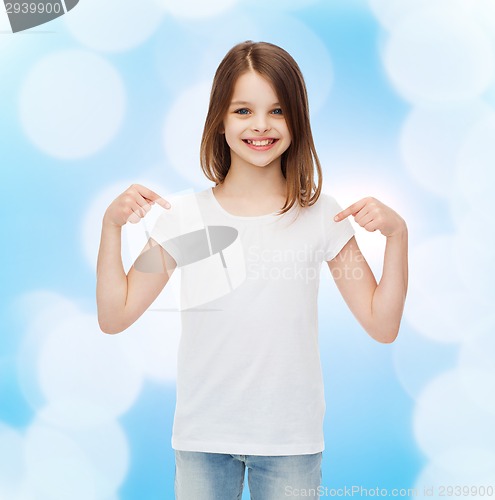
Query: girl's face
[{"x": 254, "y": 126}]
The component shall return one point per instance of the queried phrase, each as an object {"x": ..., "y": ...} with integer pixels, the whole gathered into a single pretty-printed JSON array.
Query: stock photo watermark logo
[
  {"x": 301, "y": 264},
  {"x": 24, "y": 15}
]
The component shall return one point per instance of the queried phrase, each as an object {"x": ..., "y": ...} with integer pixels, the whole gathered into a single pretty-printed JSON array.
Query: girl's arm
[
  {"x": 377, "y": 307},
  {"x": 122, "y": 299}
]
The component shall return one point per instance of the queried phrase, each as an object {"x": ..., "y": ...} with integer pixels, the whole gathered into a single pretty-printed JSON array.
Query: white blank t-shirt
[{"x": 249, "y": 379}]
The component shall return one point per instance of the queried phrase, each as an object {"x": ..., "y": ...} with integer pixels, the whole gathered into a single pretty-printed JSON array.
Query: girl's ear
[{"x": 221, "y": 129}]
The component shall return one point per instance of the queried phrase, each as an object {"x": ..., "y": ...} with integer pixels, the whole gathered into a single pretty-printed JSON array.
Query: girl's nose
[
  {"x": 261, "y": 127},
  {"x": 260, "y": 123}
]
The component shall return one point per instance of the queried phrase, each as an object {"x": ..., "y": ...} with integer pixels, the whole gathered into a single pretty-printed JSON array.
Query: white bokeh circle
[
  {"x": 483, "y": 11},
  {"x": 174, "y": 66},
  {"x": 287, "y": 5},
  {"x": 476, "y": 366},
  {"x": 12, "y": 463},
  {"x": 103, "y": 450},
  {"x": 219, "y": 36},
  {"x": 74, "y": 413},
  {"x": 465, "y": 467},
  {"x": 113, "y": 25},
  {"x": 195, "y": 9},
  {"x": 93, "y": 366},
  {"x": 439, "y": 55},
  {"x": 152, "y": 342},
  {"x": 489, "y": 96},
  {"x": 72, "y": 103},
  {"x": 431, "y": 140},
  {"x": 43, "y": 310},
  {"x": 390, "y": 13},
  {"x": 57, "y": 466},
  {"x": 309, "y": 51},
  {"x": 6, "y": 42},
  {"x": 438, "y": 304},
  {"x": 4, "y": 20},
  {"x": 475, "y": 175},
  {"x": 183, "y": 130},
  {"x": 474, "y": 252},
  {"x": 417, "y": 360},
  {"x": 43, "y": 307},
  {"x": 445, "y": 418},
  {"x": 475, "y": 183},
  {"x": 458, "y": 206}
]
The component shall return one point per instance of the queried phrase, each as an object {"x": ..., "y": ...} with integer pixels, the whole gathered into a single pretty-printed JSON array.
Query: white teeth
[{"x": 261, "y": 143}]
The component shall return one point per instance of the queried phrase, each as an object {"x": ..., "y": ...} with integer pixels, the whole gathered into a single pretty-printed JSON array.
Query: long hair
[{"x": 277, "y": 66}]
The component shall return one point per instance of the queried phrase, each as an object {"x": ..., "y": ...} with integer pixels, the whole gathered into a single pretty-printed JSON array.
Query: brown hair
[{"x": 281, "y": 70}]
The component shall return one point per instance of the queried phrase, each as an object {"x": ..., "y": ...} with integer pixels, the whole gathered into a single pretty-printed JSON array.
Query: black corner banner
[{"x": 28, "y": 14}]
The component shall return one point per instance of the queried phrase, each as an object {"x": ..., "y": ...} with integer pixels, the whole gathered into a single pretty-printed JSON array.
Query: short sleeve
[
  {"x": 335, "y": 234},
  {"x": 176, "y": 228},
  {"x": 160, "y": 234}
]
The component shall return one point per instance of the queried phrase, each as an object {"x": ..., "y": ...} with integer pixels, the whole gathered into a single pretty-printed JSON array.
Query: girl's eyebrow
[{"x": 244, "y": 103}]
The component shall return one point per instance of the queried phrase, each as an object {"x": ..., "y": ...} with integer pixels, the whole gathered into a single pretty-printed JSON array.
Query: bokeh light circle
[
  {"x": 439, "y": 55},
  {"x": 476, "y": 366},
  {"x": 418, "y": 359},
  {"x": 474, "y": 253},
  {"x": 182, "y": 135},
  {"x": 12, "y": 463},
  {"x": 195, "y": 9},
  {"x": 465, "y": 467},
  {"x": 152, "y": 342},
  {"x": 42, "y": 310},
  {"x": 94, "y": 368},
  {"x": 431, "y": 140},
  {"x": 445, "y": 418},
  {"x": 72, "y": 103},
  {"x": 57, "y": 466},
  {"x": 475, "y": 175},
  {"x": 438, "y": 304},
  {"x": 114, "y": 25}
]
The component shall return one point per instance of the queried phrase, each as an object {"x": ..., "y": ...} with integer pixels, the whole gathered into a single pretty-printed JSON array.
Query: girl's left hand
[{"x": 372, "y": 214}]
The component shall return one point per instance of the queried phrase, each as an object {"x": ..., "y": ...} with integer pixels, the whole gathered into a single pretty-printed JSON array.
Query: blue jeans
[{"x": 219, "y": 476}]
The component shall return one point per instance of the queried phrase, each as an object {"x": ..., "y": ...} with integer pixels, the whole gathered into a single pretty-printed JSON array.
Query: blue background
[{"x": 381, "y": 412}]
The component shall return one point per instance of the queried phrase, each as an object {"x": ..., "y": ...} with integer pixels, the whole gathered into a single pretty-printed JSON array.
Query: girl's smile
[{"x": 260, "y": 144}]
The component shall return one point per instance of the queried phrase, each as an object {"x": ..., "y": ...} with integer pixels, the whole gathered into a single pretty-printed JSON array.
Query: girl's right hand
[{"x": 132, "y": 205}]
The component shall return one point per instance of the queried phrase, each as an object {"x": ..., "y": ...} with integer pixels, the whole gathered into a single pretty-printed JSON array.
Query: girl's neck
[{"x": 254, "y": 183}]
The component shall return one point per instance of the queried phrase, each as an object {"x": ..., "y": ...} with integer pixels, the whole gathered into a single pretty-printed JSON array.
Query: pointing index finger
[
  {"x": 163, "y": 203},
  {"x": 152, "y": 196},
  {"x": 351, "y": 210}
]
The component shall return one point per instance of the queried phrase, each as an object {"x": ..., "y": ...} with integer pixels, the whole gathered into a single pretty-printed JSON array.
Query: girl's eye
[
  {"x": 278, "y": 111},
  {"x": 242, "y": 111}
]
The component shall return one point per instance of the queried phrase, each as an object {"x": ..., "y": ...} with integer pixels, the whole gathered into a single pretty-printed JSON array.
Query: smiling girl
[{"x": 249, "y": 383}]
